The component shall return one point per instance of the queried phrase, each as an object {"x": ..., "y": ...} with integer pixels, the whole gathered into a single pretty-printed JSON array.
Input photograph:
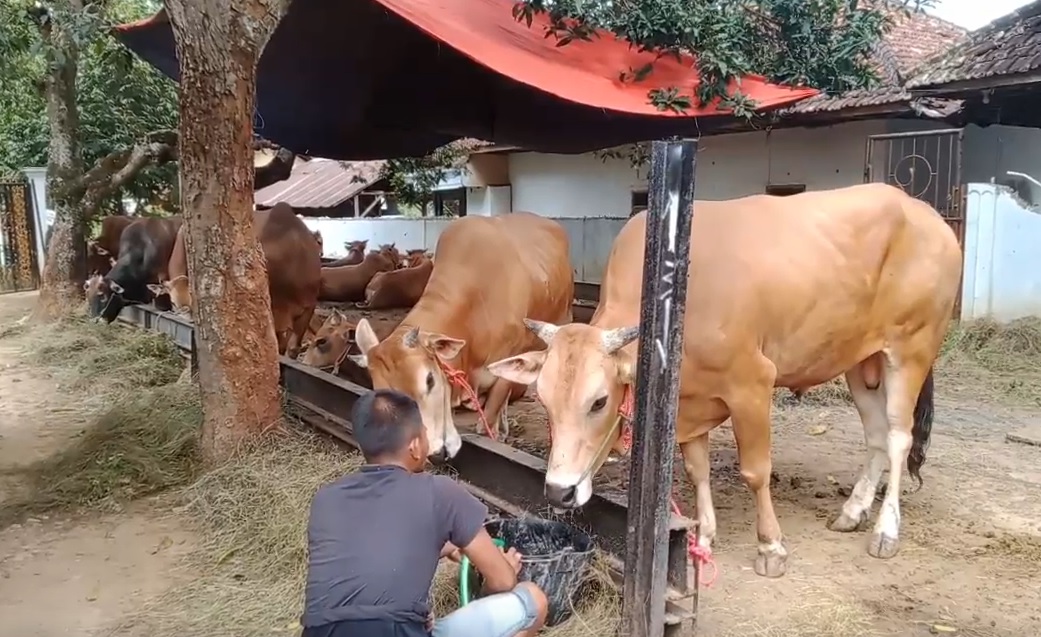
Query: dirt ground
[
  {"x": 971, "y": 538},
  {"x": 969, "y": 563},
  {"x": 68, "y": 576}
]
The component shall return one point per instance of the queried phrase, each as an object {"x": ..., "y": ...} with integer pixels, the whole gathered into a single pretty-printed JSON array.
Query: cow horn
[
  {"x": 411, "y": 338},
  {"x": 616, "y": 339},
  {"x": 545, "y": 331}
]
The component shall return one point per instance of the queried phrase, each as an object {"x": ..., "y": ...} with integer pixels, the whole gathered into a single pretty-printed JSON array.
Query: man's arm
[
  {"x": 499, "y": 575},
  {"x": 462, "y": 518}
]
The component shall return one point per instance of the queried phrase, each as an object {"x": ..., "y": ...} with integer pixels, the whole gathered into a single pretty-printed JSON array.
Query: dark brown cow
[
  {"x": 103, "y": 251},
  {"x": 294, "y": 266},
  {"x": 144, "y": 254},
  {"x": 347, "y": 283},
  {"x": 355, "y": 254}
]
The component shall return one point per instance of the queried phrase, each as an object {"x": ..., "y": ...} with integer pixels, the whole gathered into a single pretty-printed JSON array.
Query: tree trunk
[
  {"x": 218, "y": 45},
  {"x": 65, "y": 269}
]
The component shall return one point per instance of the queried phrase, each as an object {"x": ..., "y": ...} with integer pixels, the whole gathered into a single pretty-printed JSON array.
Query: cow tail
[{"x": 922, "y": 428}]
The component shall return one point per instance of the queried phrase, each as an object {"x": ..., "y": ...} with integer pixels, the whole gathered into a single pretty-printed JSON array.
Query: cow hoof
[
  {"x": 883, "y": 546},
  {"x": 772, "y": 563},
  {"x": 846, "y": 524}
]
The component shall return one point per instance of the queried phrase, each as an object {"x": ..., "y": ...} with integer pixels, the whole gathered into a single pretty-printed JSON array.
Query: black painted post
[{"x": 666, "y": 261}]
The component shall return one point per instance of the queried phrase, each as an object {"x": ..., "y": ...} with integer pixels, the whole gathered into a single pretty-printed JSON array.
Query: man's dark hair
[{"x": 385, "y": 421}]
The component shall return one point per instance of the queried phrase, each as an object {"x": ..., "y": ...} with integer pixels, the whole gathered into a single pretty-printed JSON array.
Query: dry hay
[
  {"x": 140, "y": 433},
  {"x": 1000, "y": 359},
  {"x": 247, "y": 576},
  {"x": 822, "y": 615}
]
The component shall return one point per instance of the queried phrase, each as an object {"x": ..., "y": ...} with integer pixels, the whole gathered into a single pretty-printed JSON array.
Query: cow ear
[
  {"x": 115, "y": 287},
  {"x": 86, "y": 284},
  {"x": 522, "y": 369},
  {"x": 156, "y": 288},
  {"x": 625, "y": 367},
  {"x": 367, "y": 338},
  {"x": 360, "y": 360},
  {"x": 444, "y": 347}
]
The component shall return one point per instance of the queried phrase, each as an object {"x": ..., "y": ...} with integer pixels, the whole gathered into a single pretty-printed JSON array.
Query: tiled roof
[
  {"x": 320, "y": 183},
  {"x": 912, "y": 39},
  {"x": 1009, "y": 45}
]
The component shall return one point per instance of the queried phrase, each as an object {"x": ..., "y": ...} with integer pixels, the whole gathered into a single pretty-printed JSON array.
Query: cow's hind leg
[
  {"x": 909, "y": 409},
  {"x": 869, "y": 395},
  {"x": 750, "y": 414}
]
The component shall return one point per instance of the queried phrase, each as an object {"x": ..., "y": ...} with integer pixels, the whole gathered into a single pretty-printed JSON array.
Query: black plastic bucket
[{"x": 556, "y": 558}]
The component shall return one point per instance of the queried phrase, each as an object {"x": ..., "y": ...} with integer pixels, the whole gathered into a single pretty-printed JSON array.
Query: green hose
[{"x": 464, "y": 575}]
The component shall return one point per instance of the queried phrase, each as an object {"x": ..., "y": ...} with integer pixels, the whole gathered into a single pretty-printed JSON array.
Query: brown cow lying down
[
  {"x": 489, "y": 274},
  {"x": 400, "y": 288},
  {"x": 294, "y": 273},
  {"x": 783, "y": 292},
  {"x": 347, "y": 283},
  {"x": 355, "y": 254},
  {"x": 103, "y": 251}
]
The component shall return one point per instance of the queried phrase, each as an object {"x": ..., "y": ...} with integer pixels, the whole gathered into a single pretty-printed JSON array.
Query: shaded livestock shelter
[
  {"x": 329, "y": 188},
  {"x": 372, "y": 79},
  {"x": 422, "y": 94}
]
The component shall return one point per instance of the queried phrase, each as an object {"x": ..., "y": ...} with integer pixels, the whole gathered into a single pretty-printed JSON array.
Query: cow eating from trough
[
  {"x": 783, "y": 292},
  {"x": 144, "y": 253},
  {"x": 489, "y": 274},
  {"x": 293, "y": 260}
]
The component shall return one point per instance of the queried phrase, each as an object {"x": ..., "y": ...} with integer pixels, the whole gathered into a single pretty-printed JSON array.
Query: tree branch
[{"x": 272, "y": 165}]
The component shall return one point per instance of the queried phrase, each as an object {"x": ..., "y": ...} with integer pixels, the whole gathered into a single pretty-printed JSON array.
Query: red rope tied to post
[
  {"x": 459, "y": 378},
  {"x": 701, "y": 555}
]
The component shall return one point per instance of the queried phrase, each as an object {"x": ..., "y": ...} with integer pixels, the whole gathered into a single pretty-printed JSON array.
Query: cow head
[
  {"x": 415, "y": 258},
  {"x": 410, "y": 361},
  {"x": 108, "y": 300},
  {"x": 580, "y": 380},
  {"x": 318, "y": 237},
  {"x": 331, "y": 343},
  {"x": 391, "y": 251},
  {"x": 178, "y": 289},
  {"x": 356, "y": 247}
]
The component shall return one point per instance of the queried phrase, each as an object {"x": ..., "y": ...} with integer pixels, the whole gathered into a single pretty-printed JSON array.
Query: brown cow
[
  {"x": 318, "y": 237},
  {"x": 294, "y": 273},
  {"x": 392, "y": 252},
  {"x": 489, "y": 273},
  {"x": 355, "y": 254},
  {"x": 103, "y": 251},
  {"x": 400, "y": 288},
  {"x": 783, "y": 292},
  {"x": 331, "y": 343},
  {"x": 347, "y": 283}
]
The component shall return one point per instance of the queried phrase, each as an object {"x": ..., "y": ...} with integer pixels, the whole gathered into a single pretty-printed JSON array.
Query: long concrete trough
[{"x": 506, "y": 478}]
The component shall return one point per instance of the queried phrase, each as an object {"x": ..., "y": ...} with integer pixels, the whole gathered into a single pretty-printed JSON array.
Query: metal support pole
[{"x": 664, "y": 297}]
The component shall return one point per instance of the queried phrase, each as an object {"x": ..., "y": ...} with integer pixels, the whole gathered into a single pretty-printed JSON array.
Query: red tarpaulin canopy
[{"x": 381, "y": 78}]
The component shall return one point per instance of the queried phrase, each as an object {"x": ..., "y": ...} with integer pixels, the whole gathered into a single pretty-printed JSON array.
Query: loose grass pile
[
  {"x": 104, "y": 358},
  {"x": 140, "y": 430},
  {"x": 996, "y": 359}
]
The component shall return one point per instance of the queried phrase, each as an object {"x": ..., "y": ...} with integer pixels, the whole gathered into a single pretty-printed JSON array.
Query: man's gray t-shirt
[{"x": 375, "y": 538}]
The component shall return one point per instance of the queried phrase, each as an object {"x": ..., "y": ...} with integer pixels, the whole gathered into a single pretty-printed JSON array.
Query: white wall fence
[
  {"x": 1002, "y": 271},
  {"x": 590, "y": 239}
]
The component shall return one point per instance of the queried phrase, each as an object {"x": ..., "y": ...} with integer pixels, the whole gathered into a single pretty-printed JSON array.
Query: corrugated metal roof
[
  {"x": 320, "y": 183},
  {"x": 1009, "y": 45}
]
